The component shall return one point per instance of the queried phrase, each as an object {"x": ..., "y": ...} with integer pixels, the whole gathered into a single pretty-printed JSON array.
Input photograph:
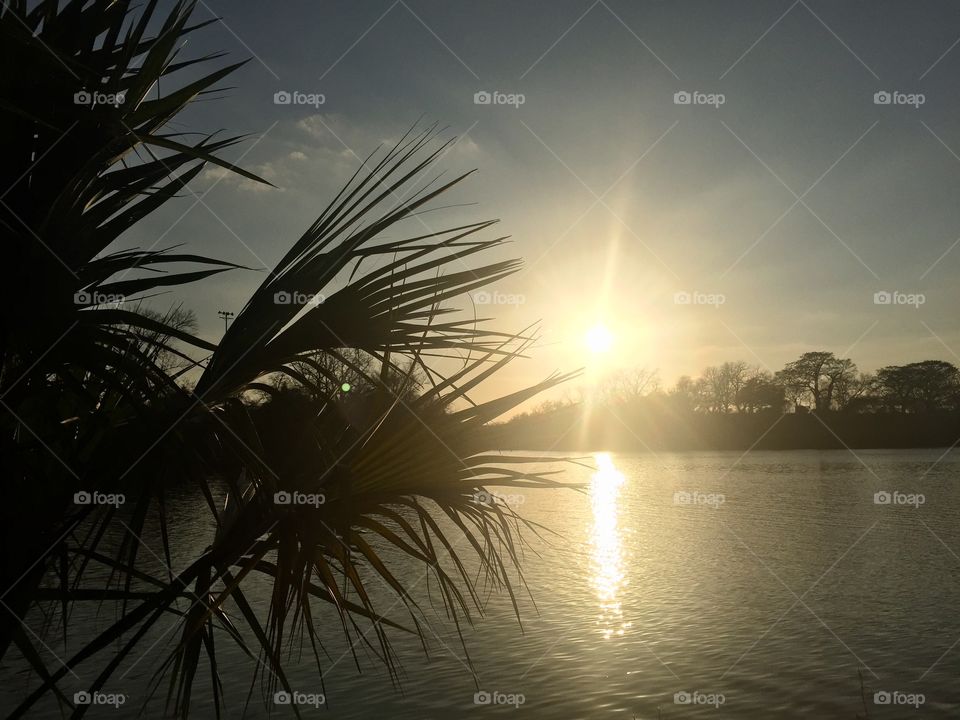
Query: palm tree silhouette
[{"x": 94, "y": 394}]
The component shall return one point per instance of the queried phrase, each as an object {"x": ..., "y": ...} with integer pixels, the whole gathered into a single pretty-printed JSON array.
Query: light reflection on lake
[{"x": 608, "y": 572}]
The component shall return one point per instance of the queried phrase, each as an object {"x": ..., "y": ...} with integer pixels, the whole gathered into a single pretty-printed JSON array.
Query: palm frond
[{"x": 401, "y": 465}]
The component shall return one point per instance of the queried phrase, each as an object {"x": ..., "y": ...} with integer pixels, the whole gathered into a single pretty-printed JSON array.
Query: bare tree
[
  {"x": 736, "y": 373},
  {"x": 851, "y": 391},
  {"x": 160, "y": 346},
  {"x": 721, "y": 384},
  {"x": 624, "y": 386}
]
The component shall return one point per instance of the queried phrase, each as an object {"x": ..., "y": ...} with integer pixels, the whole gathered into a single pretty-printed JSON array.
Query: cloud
[
  {"x": 343, "y": 138},
  {"x": 314, "y": 154},
  {"x": 219, "y": 175}
]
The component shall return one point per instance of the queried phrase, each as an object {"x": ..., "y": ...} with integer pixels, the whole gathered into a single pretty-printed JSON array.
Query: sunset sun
[{"x": 599, "y": 339}]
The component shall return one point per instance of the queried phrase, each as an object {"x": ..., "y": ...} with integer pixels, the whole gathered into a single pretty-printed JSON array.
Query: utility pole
[{"x": 226, "y": 315}]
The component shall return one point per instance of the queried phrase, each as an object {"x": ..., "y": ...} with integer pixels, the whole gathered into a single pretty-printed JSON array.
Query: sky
[{"x": 755, "y": 222}]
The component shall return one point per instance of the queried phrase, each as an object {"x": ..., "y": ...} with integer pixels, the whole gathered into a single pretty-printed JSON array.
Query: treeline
[
  {"x": 816, "y": 401},
  {"x": 822, "y": 382}
]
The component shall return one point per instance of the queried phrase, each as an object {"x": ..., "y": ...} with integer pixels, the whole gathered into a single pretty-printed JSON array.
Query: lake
[{"x": 693, "y": 585}]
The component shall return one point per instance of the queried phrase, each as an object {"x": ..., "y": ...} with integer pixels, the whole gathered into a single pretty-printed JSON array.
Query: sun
[{"x": 599, "y": 339}]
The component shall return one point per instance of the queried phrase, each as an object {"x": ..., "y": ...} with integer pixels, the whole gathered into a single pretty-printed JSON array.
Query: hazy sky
[{"x": 796, "y": 199}]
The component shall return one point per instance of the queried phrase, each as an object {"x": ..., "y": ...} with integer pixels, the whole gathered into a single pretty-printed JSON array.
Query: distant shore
[{"x": 573, "y": 428}]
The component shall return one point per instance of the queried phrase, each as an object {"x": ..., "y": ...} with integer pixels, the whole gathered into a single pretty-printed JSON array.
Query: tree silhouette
[{"x": 817, "y": 376}]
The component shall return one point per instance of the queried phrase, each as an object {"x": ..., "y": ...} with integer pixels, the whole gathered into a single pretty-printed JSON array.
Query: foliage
[
  {"x": 92, "y": 391},
  {"x": 924, "y": 386}
]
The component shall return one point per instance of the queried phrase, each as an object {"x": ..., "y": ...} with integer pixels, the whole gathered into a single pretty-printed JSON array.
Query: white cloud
[
  {"x": 220, "y": 175},
  {"x": 320, "y": 151}
]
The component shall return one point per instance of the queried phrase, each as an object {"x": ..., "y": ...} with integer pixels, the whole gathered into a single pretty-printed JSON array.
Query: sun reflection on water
[{"x": 608, "y": 574}]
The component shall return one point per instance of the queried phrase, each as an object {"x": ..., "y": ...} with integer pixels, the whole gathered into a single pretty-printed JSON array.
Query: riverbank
[{"x": 619, "y": 429}]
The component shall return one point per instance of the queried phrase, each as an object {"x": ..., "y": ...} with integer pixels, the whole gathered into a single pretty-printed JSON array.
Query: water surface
[{"x": 758, "y": 584}]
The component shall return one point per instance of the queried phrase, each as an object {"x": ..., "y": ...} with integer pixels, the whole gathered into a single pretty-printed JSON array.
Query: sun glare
[{"x": 599, "y": 339}]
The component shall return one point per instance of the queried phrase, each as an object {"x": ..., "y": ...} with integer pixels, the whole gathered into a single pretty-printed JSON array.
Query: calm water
[{"x": 761, "y": 582}]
